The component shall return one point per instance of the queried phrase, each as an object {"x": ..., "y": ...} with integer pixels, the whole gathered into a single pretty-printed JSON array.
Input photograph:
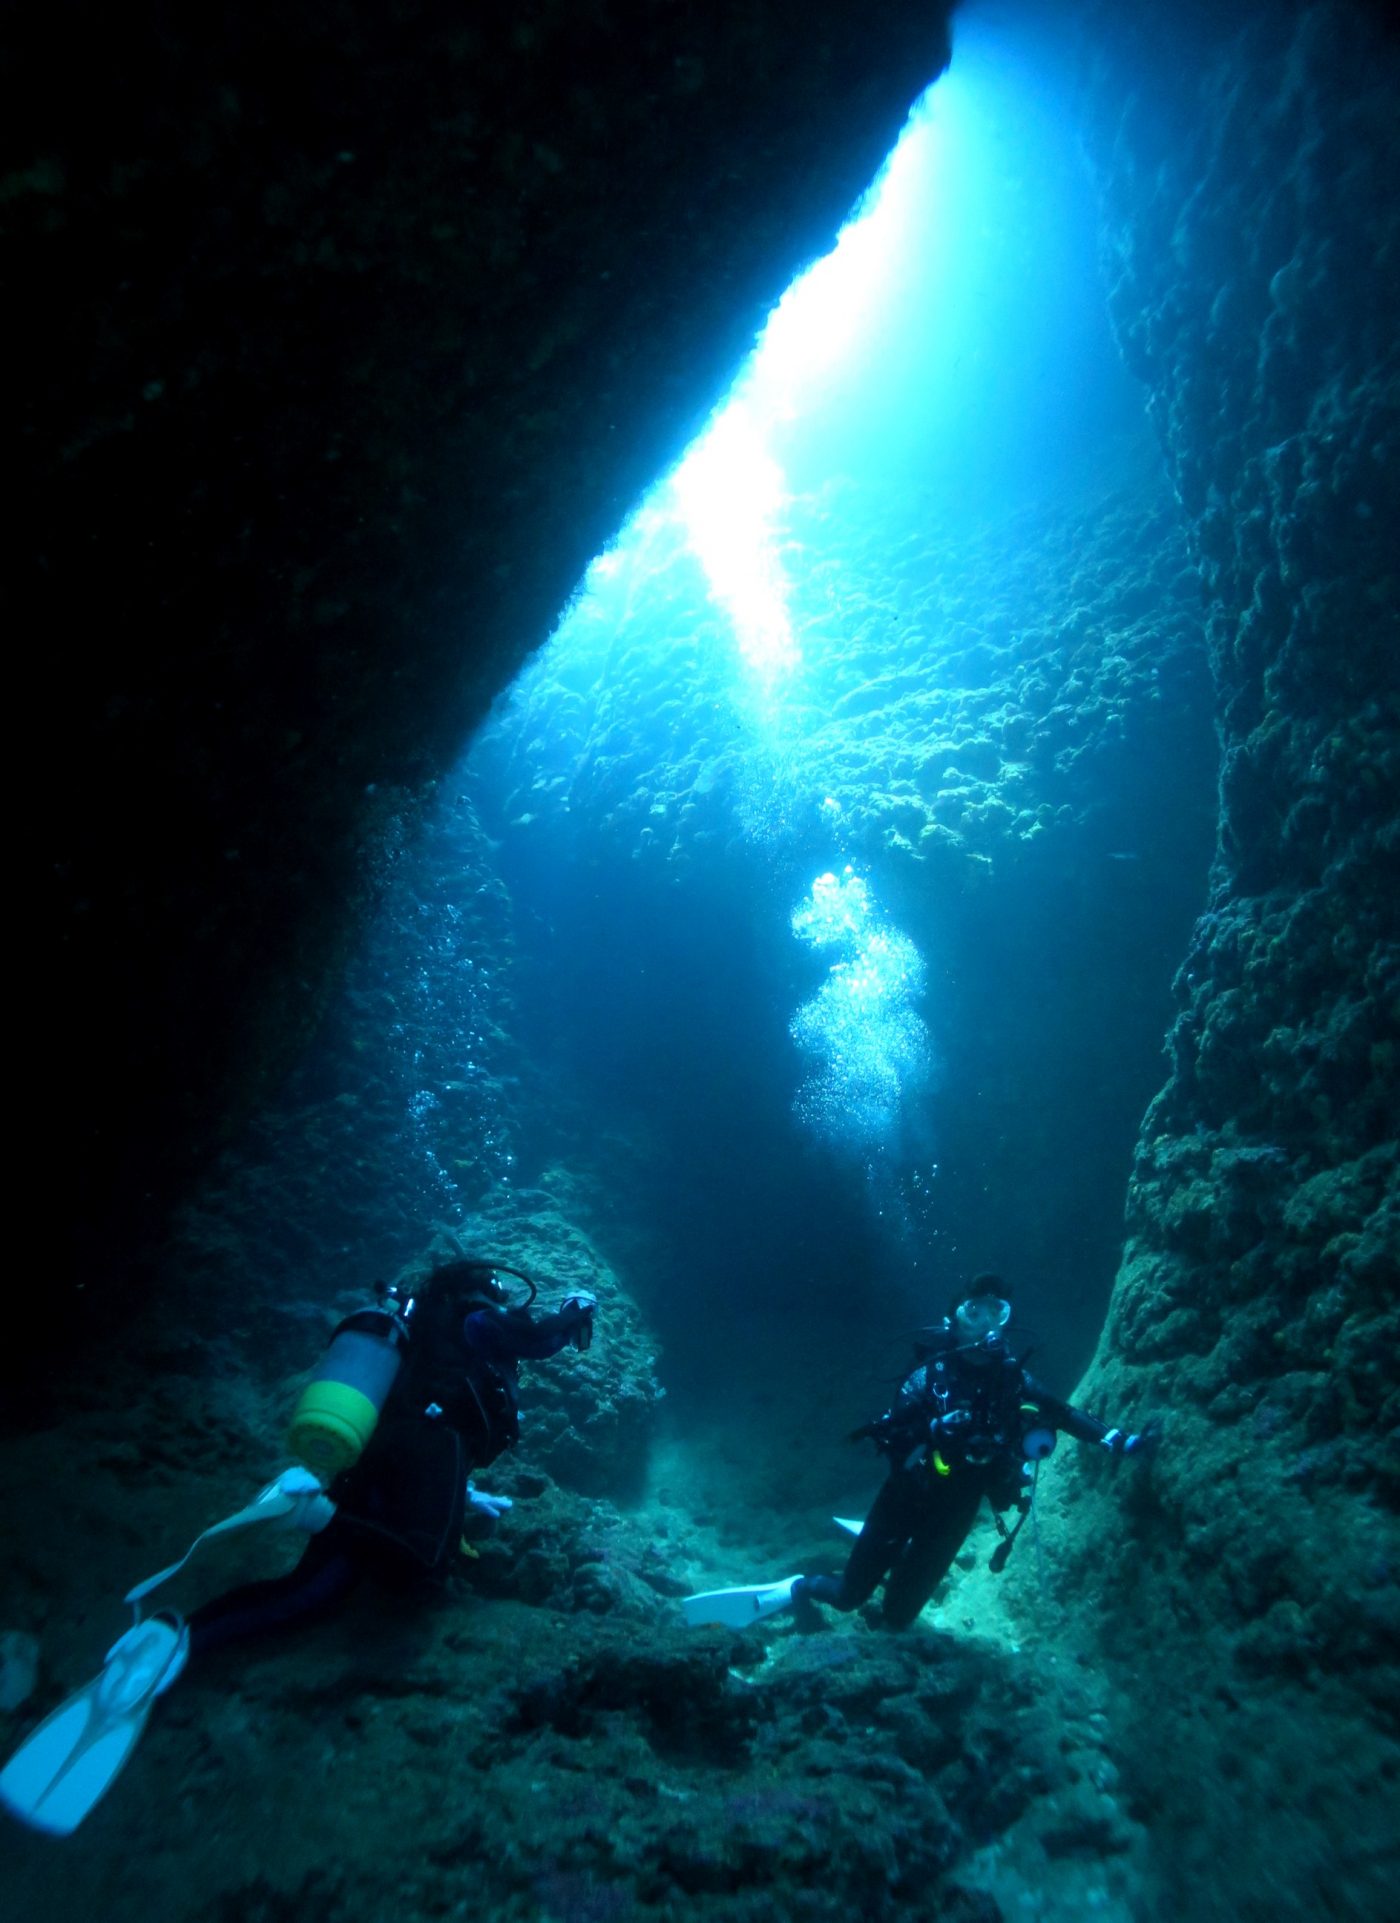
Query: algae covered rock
[{"x": 1258, "y": 1303}]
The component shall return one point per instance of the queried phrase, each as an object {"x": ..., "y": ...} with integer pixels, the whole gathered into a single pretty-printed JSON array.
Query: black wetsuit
[
  {"x": 922, "y": 1515},
  {"x": 400, "y": 1508}
]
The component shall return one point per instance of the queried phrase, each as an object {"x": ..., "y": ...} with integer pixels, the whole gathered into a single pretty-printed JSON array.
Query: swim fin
[
  {"x": 295, "y": 1498},
  {"x": 738, "y": 1608},
  {"x": 851, "y": 1524},
  {"x": 75, "y": 1755}
]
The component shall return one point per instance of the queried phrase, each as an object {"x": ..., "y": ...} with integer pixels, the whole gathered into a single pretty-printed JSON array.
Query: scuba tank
[{"x": 337, "y": 1411}]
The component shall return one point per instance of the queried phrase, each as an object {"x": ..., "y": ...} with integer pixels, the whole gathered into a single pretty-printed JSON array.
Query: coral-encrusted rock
[
  {"x": 586, "y": 1420},
  {"x": 1006, "y": 729},
  {"x": 956, "y": 695},
  {"x": 1256, "y": 251},
  {"x": 349, "y": 334}
]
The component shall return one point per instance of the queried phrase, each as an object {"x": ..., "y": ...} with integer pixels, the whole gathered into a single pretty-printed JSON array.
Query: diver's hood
[{"x": 457, "y": 1289}]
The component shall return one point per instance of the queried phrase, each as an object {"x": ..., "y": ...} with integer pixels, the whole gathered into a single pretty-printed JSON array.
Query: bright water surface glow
[
  {"x": 729, "y": 491},
  {"x": 951, "y": 350},
  {"x": 730, "y": 488},
  {"x": 954, "y": 340}
]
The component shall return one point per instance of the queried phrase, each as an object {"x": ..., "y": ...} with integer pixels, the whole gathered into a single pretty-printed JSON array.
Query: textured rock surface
[
  {"x": 1008, "y": 732},
  {"x": 960, "y": 695},
  {"x": 546, "y": 1743},
  {"x": 1256, "y": 261},
  {"x": 348, "y": 335},
  {"x": 1210, "y": 1723}
]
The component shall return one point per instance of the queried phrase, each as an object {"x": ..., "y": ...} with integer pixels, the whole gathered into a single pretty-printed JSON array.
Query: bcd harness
[{"x": 987, "y": 1419}]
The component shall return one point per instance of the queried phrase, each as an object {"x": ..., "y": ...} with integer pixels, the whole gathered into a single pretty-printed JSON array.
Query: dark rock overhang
[{"x": 349, "y": 334}]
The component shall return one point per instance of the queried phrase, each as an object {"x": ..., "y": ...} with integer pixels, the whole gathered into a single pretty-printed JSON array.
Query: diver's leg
[
  {"x": 326, "y": 1573},
  {"x": 886, "y": 1531},
  {"x": 947, "y": 1514}
]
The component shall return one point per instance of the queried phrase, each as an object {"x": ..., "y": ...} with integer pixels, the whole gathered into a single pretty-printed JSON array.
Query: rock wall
[
  {"x": 1007, "y": 731},
  {"x": 348, "y": 334},
  {"x": 414, "y": 1130},
  {"x": 1253, "y": 248}
]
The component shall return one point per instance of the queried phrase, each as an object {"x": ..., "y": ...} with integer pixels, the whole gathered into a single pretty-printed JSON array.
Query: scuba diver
[
  {"x": 412, "y": 1397},
  {"x": 969, "y": 1422}
]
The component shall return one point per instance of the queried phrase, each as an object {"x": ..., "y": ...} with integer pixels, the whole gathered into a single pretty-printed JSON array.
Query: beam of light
[
  {"x": 820, "y": 323},
  {"x": 729, "y": 491},
  {"x": 952, "y": 342},
  {"x": 730, "y": 488}
]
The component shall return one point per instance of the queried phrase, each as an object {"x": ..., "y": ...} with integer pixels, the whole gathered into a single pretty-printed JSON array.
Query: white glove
[{"x": 493, "y": 1506}]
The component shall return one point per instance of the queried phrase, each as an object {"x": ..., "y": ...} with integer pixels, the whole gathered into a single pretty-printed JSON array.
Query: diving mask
[{"x": 981, "y": 1319}]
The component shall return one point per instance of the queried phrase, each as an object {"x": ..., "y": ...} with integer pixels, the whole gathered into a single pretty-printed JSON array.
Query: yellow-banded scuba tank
[{"x": 337, "y": 1411}]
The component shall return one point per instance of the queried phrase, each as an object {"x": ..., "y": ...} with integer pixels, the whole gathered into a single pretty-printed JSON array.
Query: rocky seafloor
[
  {"x": 541, "y": 1739},
  {"x": 544, "y": 1739}
]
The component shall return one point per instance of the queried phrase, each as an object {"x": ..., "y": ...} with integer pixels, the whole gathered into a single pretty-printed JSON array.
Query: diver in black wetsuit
[
  {"x": 407, "y": 1504},
  {"x": 965, "y": 1424},
  {"x": 410, "y": 1398}
]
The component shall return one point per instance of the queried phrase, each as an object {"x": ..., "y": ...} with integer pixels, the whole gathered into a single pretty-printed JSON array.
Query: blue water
[
  {"x": 778, "y": 902},
  {"x": 979, "y": 368}
]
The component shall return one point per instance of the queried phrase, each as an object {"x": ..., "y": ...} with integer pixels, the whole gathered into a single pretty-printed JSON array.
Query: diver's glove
[
  {"x": 492, "y": 1506},
  {"x": 1146, "y": 1442},
  {"x": 481, "y": 1515},
  {"x": 582, "y": 1307}
]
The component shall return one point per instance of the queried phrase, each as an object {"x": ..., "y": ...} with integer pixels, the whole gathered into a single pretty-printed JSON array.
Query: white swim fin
[
  {"x": 851, "y": 1524},
  {"x": 738, "y": 1608},
  {"x": 294, "y": 1499},
  {"x": 74, "y": 1756}
]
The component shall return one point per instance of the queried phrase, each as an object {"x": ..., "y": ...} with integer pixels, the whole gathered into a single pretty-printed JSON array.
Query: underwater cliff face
[
  {"x": 1254, "y": 260},
  {"x": 1007, "y": 732},
  {"x": 567, "y": 1039},
  {"x": 348, "y": 335}
]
